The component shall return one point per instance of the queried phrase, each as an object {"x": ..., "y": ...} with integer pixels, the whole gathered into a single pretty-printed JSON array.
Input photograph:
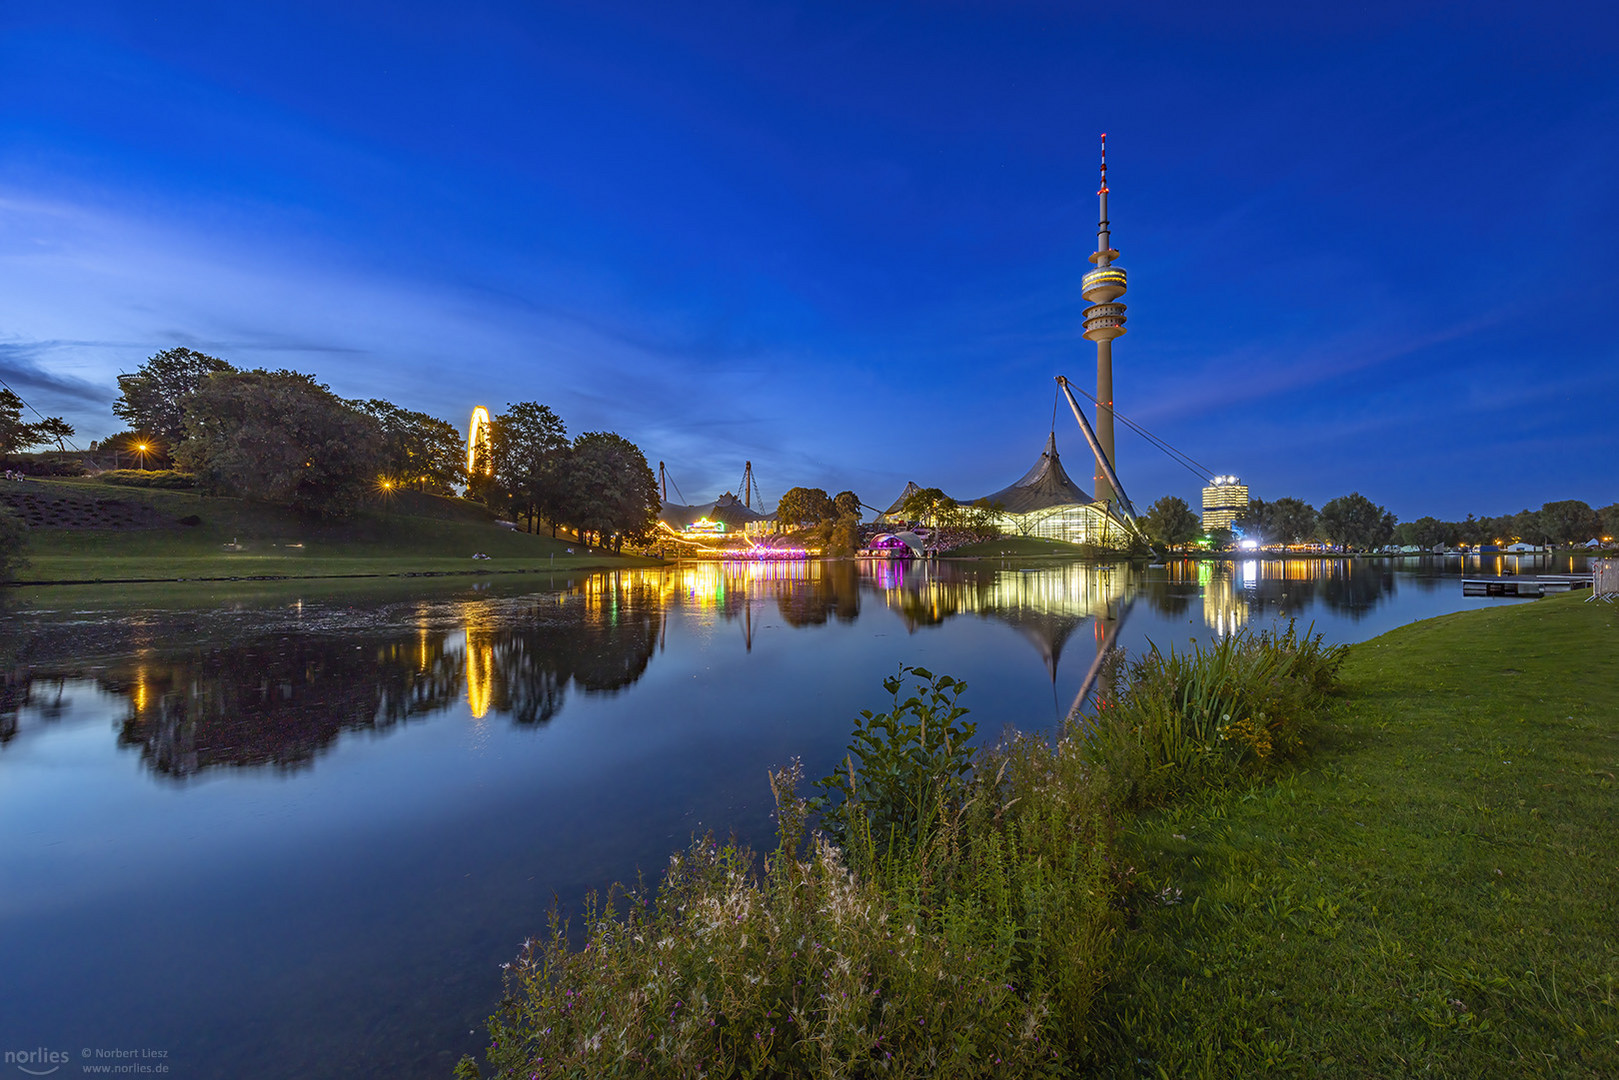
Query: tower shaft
[
  {"x": 1104, "y": 321},
  {"x": 1104, "y": 417}
]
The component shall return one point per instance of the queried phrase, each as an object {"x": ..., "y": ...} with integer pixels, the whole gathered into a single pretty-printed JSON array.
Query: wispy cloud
[{"x": 22, "y": 365}]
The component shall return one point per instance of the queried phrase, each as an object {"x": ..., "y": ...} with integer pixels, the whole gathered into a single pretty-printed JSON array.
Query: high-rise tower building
[
  {"x": 1104, "y": 321},
  {"x": 1224, "y": 501}
]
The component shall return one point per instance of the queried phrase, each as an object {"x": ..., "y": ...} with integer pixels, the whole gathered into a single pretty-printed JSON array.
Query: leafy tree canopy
[
  {"x": 529, "y": 455},
  {"x": 930, "y": 505},
  {"x": 16, "y": 435},
  {"x": 612, "y": 490},
  {"x": 1425, "y": 532},
  {"x": 1568, "y": 521},
  {"x": 153, "y": 399},
  {"x": 847, "y": 504},
  {"x": 282, "y": 438},
  {"x": 418, "y": 450},
  {"x": 805, "y": 506},
  {"x": 1171, "y": 522},
  {"x": 1353, "y": 520}
]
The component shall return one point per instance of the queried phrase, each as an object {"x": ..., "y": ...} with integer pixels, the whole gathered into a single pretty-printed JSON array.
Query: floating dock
[{"x": 1527, "y": 585}]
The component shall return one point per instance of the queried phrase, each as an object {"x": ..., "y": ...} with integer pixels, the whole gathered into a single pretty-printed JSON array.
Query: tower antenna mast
[{"x": 1104, "y": 321}]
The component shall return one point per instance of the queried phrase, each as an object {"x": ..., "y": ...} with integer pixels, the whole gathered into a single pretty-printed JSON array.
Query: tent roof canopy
[
  {"x": 727, "y": 508},
  {"x": 1044, "y": 486},
  {"x": 892, "y": 513}
]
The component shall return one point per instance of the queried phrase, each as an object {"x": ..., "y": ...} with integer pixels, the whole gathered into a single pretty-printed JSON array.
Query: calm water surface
[{"x": 275, "y": 836}]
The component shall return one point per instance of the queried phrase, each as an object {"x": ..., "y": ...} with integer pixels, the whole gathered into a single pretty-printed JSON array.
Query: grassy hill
[{"x": 82, "y": 530}]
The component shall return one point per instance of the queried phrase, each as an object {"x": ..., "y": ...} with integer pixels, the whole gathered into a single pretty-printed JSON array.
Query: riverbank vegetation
[
  {"x": 954, "y": 915},
  {"x": 82, "y": 530},
  {"x": 1178, "y": 889}
]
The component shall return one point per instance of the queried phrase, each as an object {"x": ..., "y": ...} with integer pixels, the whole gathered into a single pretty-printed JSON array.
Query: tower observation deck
[{"x": 1104, "y": 321}]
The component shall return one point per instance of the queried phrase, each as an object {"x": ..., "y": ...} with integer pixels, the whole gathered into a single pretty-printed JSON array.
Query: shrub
[
  {"x": 48, "y": 466},
  {"x": 802, "y": 968},
  {"x": 961, "y": 924},
  {"x": 1182, "y": 721},
  {"x": 911, "y": 763},
  {"x": 144, "y": 478},
  {"x": 13, "y": 543}
]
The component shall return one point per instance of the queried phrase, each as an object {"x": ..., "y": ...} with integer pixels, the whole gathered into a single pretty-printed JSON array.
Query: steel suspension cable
[{"x": 1186, "y": 461}]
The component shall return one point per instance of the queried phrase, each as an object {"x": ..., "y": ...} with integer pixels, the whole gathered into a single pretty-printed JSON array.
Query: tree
[
  {"x": 982, "y": 518},
  {"x": 612, "y": 491},
  {"x": 528, "y": 450},
  {"x": 1292, "y": 521},
  {"x": 1171, "y": 522},
  {"x": 1610, "y": 519},
  {"x": 805, "y": 506},
  {"x": 842, "y": 536},
  {"x": 1569, "y": 521},
  {"x": 417, "y": 449},
  {"x": 847, "y": 504},
  {"x": 930, "y": 505},
  {"x": 1525, "y": 526},
  {"x": 16, "y": 435},
  {"x": 282, "y": 438},
  {"x": 1257, "y": 522},
  {"x": 153, "y": 399},
  {"x": 1425, "y": 532},
  {"x": 1355, "y": 521}
]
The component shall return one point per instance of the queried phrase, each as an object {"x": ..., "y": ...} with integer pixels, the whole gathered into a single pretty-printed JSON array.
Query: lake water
[{"x": 269, "y": 835}]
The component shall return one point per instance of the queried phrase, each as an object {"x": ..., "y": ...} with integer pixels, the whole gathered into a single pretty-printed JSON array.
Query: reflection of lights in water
[
  {"x": 1076, "y": 589},
  {"x": 1224, "y": 610},
  {"x": 140, "y": 695},
  {"x": 479, "y": 650},
  {"x": 480, "y": 678}
]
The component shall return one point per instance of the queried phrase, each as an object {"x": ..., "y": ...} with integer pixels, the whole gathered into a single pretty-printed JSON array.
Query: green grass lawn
[
  {"x": 407, "y": 534},
  {"x": 1436, "y": 894}
]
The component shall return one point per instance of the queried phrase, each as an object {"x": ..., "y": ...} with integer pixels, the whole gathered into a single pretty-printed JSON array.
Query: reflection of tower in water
[
  {"x": 1225, "y": 610},
  {"x": 478, "y": 646}
]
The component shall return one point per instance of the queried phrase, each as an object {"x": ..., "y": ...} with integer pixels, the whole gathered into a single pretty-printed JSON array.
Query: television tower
[{"x": 1104, "y": 321}]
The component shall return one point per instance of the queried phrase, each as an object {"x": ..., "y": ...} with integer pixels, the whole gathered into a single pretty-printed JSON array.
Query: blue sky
[{"x": 1370, "y": 248}]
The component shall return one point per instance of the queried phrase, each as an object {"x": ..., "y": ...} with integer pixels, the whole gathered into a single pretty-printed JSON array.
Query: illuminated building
[
  {"x": 1104, "y": 321},
  {"x": 893, "y": 516},
  {"x": 1224, "y": 500},
  {"x": 725, "y": 515},
  {"x": 1045, "y": 503},
  {"x": 704, "y": 527},
  {"x": 478, "y": 441}
]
